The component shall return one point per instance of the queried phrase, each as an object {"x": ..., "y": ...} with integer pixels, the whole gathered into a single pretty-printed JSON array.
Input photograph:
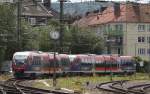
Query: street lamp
[{"x": 55, "y": 36}]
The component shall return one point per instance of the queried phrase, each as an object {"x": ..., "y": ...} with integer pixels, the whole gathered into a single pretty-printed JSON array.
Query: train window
[
  {"x": 96, "y": 61},
  {"x": 36, "y": 60},
  {"x": 64, "y": 61},
  {"x": 20, "y": 57},
  {"x": 52, "y": 63}
]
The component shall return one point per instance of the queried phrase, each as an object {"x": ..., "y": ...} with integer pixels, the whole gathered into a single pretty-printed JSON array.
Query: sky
[{"x": 101, "y": 0}]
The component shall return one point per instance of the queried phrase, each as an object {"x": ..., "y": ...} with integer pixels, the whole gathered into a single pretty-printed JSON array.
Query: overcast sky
[{"x": 101, "y": 0}]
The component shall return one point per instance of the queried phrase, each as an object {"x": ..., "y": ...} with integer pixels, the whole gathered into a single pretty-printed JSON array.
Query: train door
[
  {"x": 86, "y": 64},
  {"x": 65, "y": 63},
  {"x": 75, "y": 63},
  {"x": 36, "y": 64}
]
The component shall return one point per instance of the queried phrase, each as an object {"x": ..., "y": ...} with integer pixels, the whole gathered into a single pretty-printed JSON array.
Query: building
[
  {"x": 47, "y": 5},
  {"x": 35, "y": 13},
  {"x": 125, "y": 28}
]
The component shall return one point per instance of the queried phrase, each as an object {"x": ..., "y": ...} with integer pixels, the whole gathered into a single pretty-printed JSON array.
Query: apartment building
[{"x": 125, "y": 28}]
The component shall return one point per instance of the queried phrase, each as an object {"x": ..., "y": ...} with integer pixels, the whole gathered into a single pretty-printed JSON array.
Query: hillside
[{"x": 79, "y": 8}]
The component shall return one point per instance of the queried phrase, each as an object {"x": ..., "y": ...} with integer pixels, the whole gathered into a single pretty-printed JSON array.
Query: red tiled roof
[{"x": 130, "y": 13}]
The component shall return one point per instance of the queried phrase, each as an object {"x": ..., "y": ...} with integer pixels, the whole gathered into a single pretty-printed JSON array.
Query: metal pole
[
  {"x": 61, "y": 25},
  {"x": 149, "y": 42},
  {"x": 111, "y": 73},
  {"x": 19, "y": 24},
  {"x": 54, "y": 74},
  {"x": 109, "y": 52}
]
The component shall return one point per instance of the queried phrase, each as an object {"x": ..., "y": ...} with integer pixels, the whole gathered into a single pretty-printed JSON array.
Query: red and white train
[{"x": 31, "y": 63}]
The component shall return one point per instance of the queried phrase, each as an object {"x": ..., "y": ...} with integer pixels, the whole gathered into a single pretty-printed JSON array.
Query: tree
[
  {"x": 85, "y": 41},
  {"x": 29, "y": 37},
  {"x": 7, "y": 30},
  {"x": 45, "y": 43},
  {"x": 137, "y": 59}
]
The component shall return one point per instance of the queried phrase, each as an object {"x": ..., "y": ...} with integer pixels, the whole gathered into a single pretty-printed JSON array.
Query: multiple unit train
[{"x": 31, "y": 63}]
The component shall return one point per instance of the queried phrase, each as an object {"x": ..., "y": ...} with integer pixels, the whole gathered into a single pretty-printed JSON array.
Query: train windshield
[{"x": 20, "y": 58}]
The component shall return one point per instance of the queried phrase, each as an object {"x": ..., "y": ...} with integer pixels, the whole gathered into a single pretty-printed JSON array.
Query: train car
[
  {"x": 100, "y": 64},
  {"x": 74, "y": 63},
  {"x": 106, "y": 64},
  {"x": 127, "y": 64},
  {"x": 55, "y": 64},
  {"x": 22, "y": 62},
  {"x": 64, "y": 63},
  {"x": 49, "y": 65},
  {"x": 32, "y": 63},
  {"x": 86, "y": 63}
]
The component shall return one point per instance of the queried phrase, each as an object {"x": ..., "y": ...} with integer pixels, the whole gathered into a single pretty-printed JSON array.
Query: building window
[
  {"x": 119, "y": 51},
  {"x": 148, "y": 39},
  {"x": 141, "y": 51},
  {"x": 119, "y": 39},
  {"x": 119, "y": 27},
  {"x": 141, "y": 39},
  {"x": 41, "y": 21},
  {"x": 32, "y": 21},
  {"x": 26, "y": 8},
  {"x": 141, "y": 28},
  {"x": 148, "y": 51},
  {"x": 149, "y": 27}
]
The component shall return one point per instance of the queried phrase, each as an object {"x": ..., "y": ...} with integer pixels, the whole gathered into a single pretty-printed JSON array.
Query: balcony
[
  {"x": 113, "y": 32},
  {"x": 114, "y": 41}
]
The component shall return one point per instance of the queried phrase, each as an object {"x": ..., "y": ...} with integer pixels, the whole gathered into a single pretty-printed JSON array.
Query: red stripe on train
[{"x": 103, "y": 68}]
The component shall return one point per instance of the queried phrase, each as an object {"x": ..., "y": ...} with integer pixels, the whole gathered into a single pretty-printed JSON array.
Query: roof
[
  {"x": 23, "y": 53},
  {"x": 127, "y": 12},
  {"x": 32, "y": 8}
]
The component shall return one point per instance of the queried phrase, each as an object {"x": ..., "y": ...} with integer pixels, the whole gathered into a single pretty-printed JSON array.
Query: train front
[{"x": 19, "y": 64}]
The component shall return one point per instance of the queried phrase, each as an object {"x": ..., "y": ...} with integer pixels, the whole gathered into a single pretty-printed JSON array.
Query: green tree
[
  {"x": 45, "y": 43},
  {"x": 137, "y": 59},
  {"x": 85, "y": 41},
  {"x": 29, "y": 37},
  {"x": 7, "y": 30}
]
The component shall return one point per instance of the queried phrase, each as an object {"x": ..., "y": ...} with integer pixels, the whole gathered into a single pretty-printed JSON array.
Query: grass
[
  {"x": 4, "y": 77},
  {"x": 77, "y": 82}
]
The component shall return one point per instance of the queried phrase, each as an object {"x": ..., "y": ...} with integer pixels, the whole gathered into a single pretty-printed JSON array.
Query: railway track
[
  {"x": 13, "y": 86},
  {"x": 125, "y": 87}
]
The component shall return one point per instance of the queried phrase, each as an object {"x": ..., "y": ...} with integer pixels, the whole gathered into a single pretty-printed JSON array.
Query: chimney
[
  {"x": 47, "y": 4},
  {"x": 136, "y": 8},
  {"x": 102, "y": 8},
  {"x": 117, "y": 9}
]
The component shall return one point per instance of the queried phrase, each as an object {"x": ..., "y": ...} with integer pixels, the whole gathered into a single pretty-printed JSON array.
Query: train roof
[{"x": 23, "y": 53}]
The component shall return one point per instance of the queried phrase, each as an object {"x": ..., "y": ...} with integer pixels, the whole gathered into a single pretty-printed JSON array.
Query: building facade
[
  {"x": 125, "y": 28},
  {"x": 35, "y": 13}
]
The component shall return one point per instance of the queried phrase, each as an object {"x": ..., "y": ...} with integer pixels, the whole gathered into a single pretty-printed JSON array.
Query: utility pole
[
  {"x": 61, "y": 19},
  {"x": 61, "y": 24},
  {"x": 19, "y": 2}
]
